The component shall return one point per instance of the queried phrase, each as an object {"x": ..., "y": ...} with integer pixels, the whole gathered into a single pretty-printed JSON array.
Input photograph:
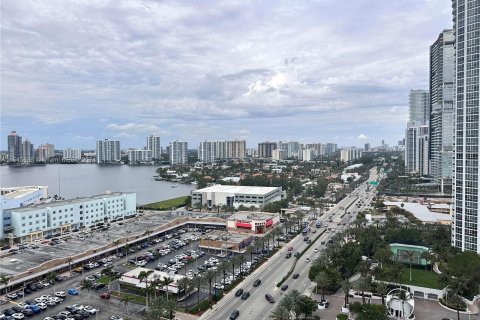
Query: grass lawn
[
  {"x": 135, "y": 298},
  {"x": 104, "y": 279},
  {"x": 421, "y": 277},
  {"x": 167, "y": 204}
]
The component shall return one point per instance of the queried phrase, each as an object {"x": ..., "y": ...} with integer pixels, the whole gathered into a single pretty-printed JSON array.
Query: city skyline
[{"x": 139, "y": 68}]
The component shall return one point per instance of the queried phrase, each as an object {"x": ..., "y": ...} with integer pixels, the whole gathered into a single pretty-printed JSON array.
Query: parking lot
[{"x": 202, "y": 262}]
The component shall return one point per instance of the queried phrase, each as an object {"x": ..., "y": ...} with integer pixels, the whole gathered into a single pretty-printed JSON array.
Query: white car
[
  {"x": 40, "y": 300},
  {"x": 18, "y": 316},
  {"x": 141, "y": 263},
  {"x": 90, "y": 309},
  {"x": 307, "y": 260},
  {"x": 56, "y": 299},
  {"x": 60, "y": 294},
  {"x": 42, "y": 306},
  {"x": 50, "y": 303}
]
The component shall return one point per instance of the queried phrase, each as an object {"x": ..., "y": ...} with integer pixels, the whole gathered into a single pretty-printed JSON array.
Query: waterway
[{"x": 84, "y": 180}]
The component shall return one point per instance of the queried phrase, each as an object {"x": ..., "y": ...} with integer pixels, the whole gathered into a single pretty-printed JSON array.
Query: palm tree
[
  {"x": 362, "y": 285},
  {"x": 232, "y": 263},
  {"x": 223, "y": 268},
  {"x": 126, "y": 300},
  {"x": 143, "y": 275},
  {"x": 346, "y": 287},
  {"x": 240, "y": 259},
  {"x": 267, "y": 237},
  {"x": 209, "y": 276},
  {"x": 322, "y": 280},
  {"x": 127, "y": 248},
  {"x": 183, "y": 284},
  {"x": 87, "y": 285},
  {"x": 409, "y": 255},
  {"x": 280, "y": 313},
  {"x": 250, "y": 252},
  {"x": 69, "y": 261},
  {"x": 382, "y": 290},
  {"x": 166, "y": 282},
  {"x": 116, "y": 243},
  {"x": 155, "y": 283},
  {"x": 5, "y": 280},
  {"x": 277, "y": 232},
  {"x": 198, "y": 281},
  {"x": 52, "y": 278}
]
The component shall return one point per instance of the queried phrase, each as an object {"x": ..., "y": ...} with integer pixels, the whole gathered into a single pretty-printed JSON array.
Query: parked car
[
  {"x": 73, "y": 292},
  {"x": 284, "y": 287},
  {"x": 296, "y": 275},
  {"x": 105, "y": 295},
  {"x": 60, "y": 294},
  {"x": 257, "y": 282}
]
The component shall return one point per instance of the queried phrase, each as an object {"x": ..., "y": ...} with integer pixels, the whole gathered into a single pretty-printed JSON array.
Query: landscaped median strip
[{"x": 289, "y": 273}]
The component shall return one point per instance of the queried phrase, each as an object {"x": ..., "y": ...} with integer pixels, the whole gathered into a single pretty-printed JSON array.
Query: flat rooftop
[
  {"x": 228, "y": 236},
  {"x": 420, "y": 211},
  {"x": 69, "y": 201},
  {"x": 249, "y": 216},
  {"x": 238, "y": 189},
  {"x": 19, "y": 192}
]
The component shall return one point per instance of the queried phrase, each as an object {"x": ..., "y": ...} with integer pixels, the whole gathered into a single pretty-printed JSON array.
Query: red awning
[
  {"x": 269, "y": 222},
  {"x": 244, "y": 225}
]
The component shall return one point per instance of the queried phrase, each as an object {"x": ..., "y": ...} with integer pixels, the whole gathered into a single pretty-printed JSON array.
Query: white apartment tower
[
  {"x": 442, "y": 70},
  {"x": 153, "y": 144},
  {"x": 178, "y": 152},
  {"x": 466, "y": 191},
  {"x": 108, "y": 151},
  {"x": 72, "y": 154}
]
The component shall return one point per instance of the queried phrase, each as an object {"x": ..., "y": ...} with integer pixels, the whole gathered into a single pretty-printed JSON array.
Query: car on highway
[
  {"x": 284, "y": 287},
  {"x": 269, "y": 298},
  {"x": 316, "y": 250},
  {"x": 307, "y": 259},
  {"x": 297, "y": 254},
  {"x": 73, "y": 292},
  {"x": 323, "y": 242},
  {"x": 239, "y": 293},
  {"x": 257, "y": 282},
  {"x": 289, "y": 254},
  {"x": 245, "y": 295},
  {"x": 290, "y": 248},
  {"x": 296, "y": 275},
  {"x": 234, "y": 314}
]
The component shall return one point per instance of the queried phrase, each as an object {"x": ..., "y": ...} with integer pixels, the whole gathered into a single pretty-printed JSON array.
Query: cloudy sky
[{"x": 313, "y": 71}]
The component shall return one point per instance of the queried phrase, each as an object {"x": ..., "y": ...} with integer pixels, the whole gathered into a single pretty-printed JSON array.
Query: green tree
[
  {"x": 52, "y": 278},
  {"x": 346, "y": 287},
  {"x": 209, "y": 276},
  {"x": 382, "y": 290},
  {"x": 306, "y": 305},
  {"x": 86, "y": 285},
  {"x": 166, "y": 283},
  {"x": 362, "y": 285},
  {"x": 197, "y": 282},
  {"x": 143, "y": 275},
  {"x": 280, "y": 313},
  {"x": 5, "y": 280},
  {"x": 126, "y": 301},
  {"x": 322, "y": 280},
  {"x": 409, "y": 255}
]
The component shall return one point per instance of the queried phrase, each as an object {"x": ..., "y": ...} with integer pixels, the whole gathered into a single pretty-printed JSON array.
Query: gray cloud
[{"x": 341, "y": 65}]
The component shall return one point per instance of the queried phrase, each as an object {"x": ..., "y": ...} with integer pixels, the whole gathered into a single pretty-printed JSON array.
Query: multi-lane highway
[{"x": 272, "y": 272}]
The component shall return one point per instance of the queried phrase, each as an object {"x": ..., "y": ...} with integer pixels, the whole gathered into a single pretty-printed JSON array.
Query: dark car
[
  {"x": 269, "y": 298},
  {"x": 32, "y": 287},
  {"x": 297, "y": 254},
  {"x": 323, "y": 242},
  {"x": 234, "y": 315},
  {"x": 245, "y": 295},
  {"x": 239, "y": 293},
  {"x": 284, "y": 287},
  {"x": 28, "y": 312},
  {"x": 289, "y": 254},
  {"x": 105, "y": 295},
  {"x": 99, "y": 286},
  {"x": 296, "y": 275},
  {"x": 257, "y": 282},
  {"x": 17, "y": 309},
  {"x": 8, "y": 312},
  {"x": 330, "y": 241}
]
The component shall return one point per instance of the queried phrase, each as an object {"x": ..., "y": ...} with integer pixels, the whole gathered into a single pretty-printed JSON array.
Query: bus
[
  {"x": 318, "y": 224},
  {"x": 306, "y": 230}
]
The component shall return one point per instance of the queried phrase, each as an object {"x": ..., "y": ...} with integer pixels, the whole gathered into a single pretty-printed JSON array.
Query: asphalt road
[{"x": 256, "y": 307}]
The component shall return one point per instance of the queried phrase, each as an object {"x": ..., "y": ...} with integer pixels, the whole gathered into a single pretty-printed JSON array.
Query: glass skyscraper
[{"x": 466, "y": 223}]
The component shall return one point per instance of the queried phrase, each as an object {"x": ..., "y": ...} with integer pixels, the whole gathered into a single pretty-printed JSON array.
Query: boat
[
  {"x": 157, "y": 178},
  {"x": 174, "y": 186}
]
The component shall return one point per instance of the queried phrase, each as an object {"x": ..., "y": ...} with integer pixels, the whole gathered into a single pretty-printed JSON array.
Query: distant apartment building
[
  {"x": 28, "y": 152},
  {"x": 236, "y": 149},
  {"x": 265, "y": 149},
  {"x": 38, "y": 221},
  {"x": 416, "y": 148},
  {"x": 45, "y": 152},
  {"x": 320, "y": 148},
  {"x": 350, "y": 154},
  {"x": 139, "y": 156},
  {"x": 279, "y": 154},
  {"x": 71, "y": 154},
  {"x": 291, "y": 147},
  {"x": 211, "y": 151},
  {"x": 252, "y": 152},
  {"x": 153, "y": 144},
  {"x": 14, "y": 147},
  {"x": 178, "y": 152},
  {"x": 108, "y": 151},
  {"x": 367, "y": 147},
  {"x": 306, "y": 155},
  {"x": 442, "y": 77},
  {"x": 331, "y": 148},
  {"x": 419, "y": 106}
]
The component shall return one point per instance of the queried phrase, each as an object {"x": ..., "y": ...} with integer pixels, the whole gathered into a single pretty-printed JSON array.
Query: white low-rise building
[
  {"x": 15, "y": 197},
  {"x": 38, "y": 221},
  {"x": 235, "y": 196},
  {"x": 253, "y": 222},
  {"x": 130, "y": 278},
  {"x": 139, "y": 156}
]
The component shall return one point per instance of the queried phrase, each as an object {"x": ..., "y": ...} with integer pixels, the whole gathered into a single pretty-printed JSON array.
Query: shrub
[
  {"x": 203, "y": 305},
  {"x": 342, "y": 316}
]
